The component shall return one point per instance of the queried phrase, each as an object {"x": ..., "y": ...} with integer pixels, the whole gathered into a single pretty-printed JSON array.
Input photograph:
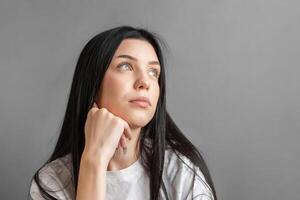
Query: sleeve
[
  {"x": 35, "y": 194},
  {"x": 51, "y": 182},
  {"x": 51, "y": 187},
  {"x": 201, "y": 190},
  {"x": 182, "y": 182}
]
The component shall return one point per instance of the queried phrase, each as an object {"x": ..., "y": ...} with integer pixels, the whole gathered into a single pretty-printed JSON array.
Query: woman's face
[{"x": 132, "y": 73}]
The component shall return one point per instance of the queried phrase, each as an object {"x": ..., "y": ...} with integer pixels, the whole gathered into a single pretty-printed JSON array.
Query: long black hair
[{"x": 161, "y": 130}]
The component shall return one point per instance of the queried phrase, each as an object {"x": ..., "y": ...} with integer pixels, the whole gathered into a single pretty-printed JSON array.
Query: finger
[
  {"x": 123, "y": 141},
  {"x": 127, "y": 131},
  {"x": 120, "y": 143}
]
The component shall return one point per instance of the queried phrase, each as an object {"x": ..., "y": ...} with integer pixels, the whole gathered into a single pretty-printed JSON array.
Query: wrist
[{"x": 94, "y": 160}]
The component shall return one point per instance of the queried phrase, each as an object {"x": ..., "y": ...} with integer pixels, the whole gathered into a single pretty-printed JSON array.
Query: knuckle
[
  {"x": 102, "y": 110},
  {"x": 89, "y": 114},
  {"x": 115, "y": 120},
  {"x": 118, "y": 119}
]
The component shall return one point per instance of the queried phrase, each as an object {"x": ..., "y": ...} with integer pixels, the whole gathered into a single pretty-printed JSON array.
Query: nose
[{"x": 142, "y": 82}]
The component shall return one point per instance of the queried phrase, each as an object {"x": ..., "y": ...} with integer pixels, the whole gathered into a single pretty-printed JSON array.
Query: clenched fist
[{"x": 104, "y": 132}]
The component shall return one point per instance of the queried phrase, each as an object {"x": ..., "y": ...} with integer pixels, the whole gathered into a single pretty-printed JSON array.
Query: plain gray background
[{"x": 232, "y": 75}]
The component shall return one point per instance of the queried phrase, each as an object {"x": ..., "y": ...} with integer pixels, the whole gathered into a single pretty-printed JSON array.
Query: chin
[
  {"x": 136, "y": 118},
  {"x": 135, "y": 121},
  {"x": 138, "y": 123}
]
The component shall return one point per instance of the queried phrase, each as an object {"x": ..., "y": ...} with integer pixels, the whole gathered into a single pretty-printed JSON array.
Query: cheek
[
  {"x": 156, "y": 94},
  {"x": 112, "y": 88}
]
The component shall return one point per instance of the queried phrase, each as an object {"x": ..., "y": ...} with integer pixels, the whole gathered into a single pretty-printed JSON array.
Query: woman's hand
[{"x": 104, "y": 132}]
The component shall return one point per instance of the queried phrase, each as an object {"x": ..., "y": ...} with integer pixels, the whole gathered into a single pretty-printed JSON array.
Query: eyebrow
[{"x": 133, "y": 58}]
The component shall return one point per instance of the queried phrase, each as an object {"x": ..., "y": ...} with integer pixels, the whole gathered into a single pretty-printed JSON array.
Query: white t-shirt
[{"x": 131, "y": 183}]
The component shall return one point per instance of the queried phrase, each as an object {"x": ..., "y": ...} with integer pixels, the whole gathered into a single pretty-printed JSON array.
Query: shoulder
[
  {"x": 181, "y": 180},
  {"x": 176, "y": 162},
  {"x": 55, "y": 177}
]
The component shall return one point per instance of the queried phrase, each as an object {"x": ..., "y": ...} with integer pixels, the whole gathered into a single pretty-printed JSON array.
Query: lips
[{"x": 141, "y": 101}]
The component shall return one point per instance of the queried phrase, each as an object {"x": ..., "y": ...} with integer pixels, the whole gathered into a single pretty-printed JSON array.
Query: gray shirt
[{"x": 131, "y": 183}]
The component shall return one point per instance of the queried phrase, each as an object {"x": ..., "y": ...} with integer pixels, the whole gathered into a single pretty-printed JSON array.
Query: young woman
[{"x": 117, "y": 139}]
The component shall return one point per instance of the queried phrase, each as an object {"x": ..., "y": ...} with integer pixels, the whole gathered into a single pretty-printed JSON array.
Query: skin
[
  {"x": 113, "y": 119},
  {"x": 124, "y": 80}
]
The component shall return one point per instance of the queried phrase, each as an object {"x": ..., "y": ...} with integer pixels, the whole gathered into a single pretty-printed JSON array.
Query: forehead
[{"x": 140, "y": 49}]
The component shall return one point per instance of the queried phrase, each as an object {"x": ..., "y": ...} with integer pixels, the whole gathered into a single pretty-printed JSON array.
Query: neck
[{"x": 120, "y": 160}]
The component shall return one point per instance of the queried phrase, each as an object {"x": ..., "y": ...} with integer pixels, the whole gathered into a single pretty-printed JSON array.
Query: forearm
[{"x": 91, "y": 180}]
